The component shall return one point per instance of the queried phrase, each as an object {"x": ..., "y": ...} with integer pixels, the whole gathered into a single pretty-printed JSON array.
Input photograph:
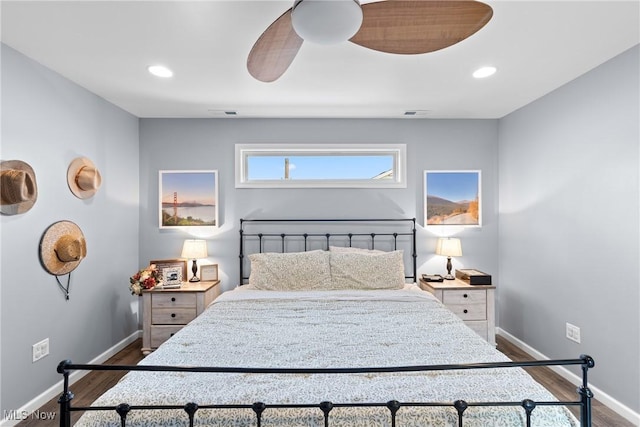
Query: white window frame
[{"x": 397, "y": 151}]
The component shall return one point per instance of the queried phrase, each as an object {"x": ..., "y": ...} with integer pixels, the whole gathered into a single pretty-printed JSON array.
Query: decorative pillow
[
  {"x": 290, "y": 271},
  {"x": 354, "y": 250},
  {"x": 358, "y": 270}
]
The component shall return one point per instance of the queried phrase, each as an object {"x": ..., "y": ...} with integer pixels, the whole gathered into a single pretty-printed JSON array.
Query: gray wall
[
  {"x": 569, "y": 223},
  {"x": 176, "y": 144},
  {"x": 47, "y": 121}
]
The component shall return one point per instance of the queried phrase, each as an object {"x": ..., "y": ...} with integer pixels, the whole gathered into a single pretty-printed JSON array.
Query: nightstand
[
  {"x": 475, "y": 304},
  {"x": 166, "y": 311}
]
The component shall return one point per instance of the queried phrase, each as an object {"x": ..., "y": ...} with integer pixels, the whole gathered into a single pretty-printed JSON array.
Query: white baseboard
[
  {"x": 31, "y": 407},
  {"x": 602, "y": 397}
]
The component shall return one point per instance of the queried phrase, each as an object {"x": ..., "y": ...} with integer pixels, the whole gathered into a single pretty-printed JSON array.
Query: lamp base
[
  {"x": 449, "y": 276},
  {"x": 194, "y": 270}
]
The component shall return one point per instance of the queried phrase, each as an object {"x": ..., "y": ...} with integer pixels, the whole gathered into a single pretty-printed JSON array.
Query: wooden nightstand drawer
[
  {"x": 475, "y": 305},
  {"x": 464, "y": 297},
  {"x": 480, "y": 326},
  {"x": 160, "y": 334},
  {"x": 173, "y": 316},
  {"x": 469, "y": 311},
  {"x": 166, "y": 311},
  {"x": 173, "y": 299}
]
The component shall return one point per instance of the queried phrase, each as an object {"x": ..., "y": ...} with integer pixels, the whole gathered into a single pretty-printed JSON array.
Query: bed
[{"x": 327, "y": 328}]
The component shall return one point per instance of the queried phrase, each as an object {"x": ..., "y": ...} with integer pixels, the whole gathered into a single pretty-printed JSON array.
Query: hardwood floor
[
  {"x": 601, "y": 416},
  {"x": 94, "y": 384},
  {"x": 90, "y": 387}
]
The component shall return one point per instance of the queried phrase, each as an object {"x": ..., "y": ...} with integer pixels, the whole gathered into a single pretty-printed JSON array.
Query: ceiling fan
[{"x": 394, "y": 26}]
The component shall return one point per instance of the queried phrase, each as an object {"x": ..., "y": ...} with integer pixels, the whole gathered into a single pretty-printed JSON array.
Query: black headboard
[{"x": 297, "y": 235}]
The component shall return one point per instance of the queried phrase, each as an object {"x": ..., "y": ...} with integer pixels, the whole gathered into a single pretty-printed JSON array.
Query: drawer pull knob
[
  {"x": 173, "y": 315},
  {"x": 173, "y": 299},
  {"x": 466, "y": 311},
  {"x": 466, "y": 296}
]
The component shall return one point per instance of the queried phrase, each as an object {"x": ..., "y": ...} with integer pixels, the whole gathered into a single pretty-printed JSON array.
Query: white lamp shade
[
  {"x": 326, "y": 21},
  {"x": 194, "y": 249},
  {"x": 448, "y": 246}
]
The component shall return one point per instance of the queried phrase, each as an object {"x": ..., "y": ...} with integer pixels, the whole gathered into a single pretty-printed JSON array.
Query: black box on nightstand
[{"x": 473, "y": 277}]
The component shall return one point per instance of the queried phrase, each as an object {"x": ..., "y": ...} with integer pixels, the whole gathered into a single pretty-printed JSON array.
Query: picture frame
[
  {"x": 209, "y": 272},
  {"x": 187, "y": 198},
  {"x": 171, "y": 276},
  {"x": 163, "y": 264},
  {"x": 452, "y": 198}
]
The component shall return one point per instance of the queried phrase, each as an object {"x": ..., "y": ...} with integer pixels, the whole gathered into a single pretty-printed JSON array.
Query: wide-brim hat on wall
[
  {"x": 83, "y": 177},
  {"x": 62, "y": 248},
  {"x": 18, "y": 187}
]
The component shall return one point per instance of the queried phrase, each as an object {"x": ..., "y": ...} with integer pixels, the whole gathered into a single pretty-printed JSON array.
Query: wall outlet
[
  {"x": 40, "y": 349},
  {"x": 573, "y": 333}
]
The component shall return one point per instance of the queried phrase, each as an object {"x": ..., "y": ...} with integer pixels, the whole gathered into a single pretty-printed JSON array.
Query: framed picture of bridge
[
  {"x": 188, "y": 198},
  {"x": 452, "y": 198}
]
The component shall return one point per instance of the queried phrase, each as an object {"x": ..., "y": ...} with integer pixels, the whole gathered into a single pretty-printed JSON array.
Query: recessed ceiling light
[
  {"x": 160, "y": 71},
  {"x": 483, "y": 72}
]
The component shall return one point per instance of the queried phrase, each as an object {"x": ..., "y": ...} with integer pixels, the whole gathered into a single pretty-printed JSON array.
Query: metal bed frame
[
  {"x": 304, "y": 240},
  {"x": 389, "y": 234}
]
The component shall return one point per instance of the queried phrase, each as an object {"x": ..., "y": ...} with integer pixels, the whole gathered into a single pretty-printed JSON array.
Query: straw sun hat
[
  {"x": 62, "y": 248},
  {"x": 18, "y": 187},
  {"x": 83, "y": 177}
]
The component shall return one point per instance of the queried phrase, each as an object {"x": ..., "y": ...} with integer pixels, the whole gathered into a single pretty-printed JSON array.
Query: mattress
[{"x": 327, "y": 329}]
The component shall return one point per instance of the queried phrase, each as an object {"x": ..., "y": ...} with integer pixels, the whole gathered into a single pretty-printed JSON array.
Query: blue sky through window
[{"x": 316, "y": 167}]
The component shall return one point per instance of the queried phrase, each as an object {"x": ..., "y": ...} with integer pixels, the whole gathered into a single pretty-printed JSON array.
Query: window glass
[{"x": 320, "y": 166}]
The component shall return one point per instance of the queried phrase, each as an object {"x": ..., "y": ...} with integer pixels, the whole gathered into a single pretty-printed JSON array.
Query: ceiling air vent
[
  {"x": 226, "y": 113},
  {"x": 416, "y": 113}
]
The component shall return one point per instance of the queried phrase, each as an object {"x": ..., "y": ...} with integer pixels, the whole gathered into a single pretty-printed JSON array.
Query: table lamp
[
  {"x": 194, "y": 249},
  {"x": 448, "y": 247}
]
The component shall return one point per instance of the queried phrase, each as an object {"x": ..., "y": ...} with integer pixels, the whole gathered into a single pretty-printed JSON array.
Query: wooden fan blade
[
  {"x": 419, "y": 26},
  {"x": 274, "y": 51}
]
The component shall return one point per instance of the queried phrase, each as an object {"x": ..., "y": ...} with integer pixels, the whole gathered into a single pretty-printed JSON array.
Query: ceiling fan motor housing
[{"x": 326, "y": 21}]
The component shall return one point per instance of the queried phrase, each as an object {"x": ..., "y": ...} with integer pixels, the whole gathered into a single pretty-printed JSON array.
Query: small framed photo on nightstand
[
  {"x": 171, "y": 277},
  {"x": 162, "y": 264},
  {"x": 209, "y": 272}
]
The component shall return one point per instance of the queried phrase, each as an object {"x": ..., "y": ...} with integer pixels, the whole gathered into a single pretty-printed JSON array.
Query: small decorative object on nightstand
[
  {"x": 473, "y": 304},
  {"x": 473, "y": 276},
  {"x": 166, "y": 311},
  {"x": 195, "y": 250},
  {"x": 448, "y": 246}
]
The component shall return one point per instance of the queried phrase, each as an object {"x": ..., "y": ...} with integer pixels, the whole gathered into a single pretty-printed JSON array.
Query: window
[{"x": 321, "y": 165}]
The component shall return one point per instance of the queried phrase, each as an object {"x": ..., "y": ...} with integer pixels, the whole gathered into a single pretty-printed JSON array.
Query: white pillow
[
  {"x": 372, "y": 270},
  {"x": 290, "y": 271}
]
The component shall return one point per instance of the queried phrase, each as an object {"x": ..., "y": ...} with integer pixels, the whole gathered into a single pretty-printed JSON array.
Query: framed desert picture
[
  {"x": 188, "y": 198},
  {"x": 452, "y": 198}
]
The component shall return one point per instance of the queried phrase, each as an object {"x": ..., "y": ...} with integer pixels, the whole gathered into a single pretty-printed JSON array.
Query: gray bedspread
[{"x": 341, "y": 329}]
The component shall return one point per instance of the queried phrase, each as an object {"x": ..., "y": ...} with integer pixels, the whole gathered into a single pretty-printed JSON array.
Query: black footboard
[{"x": 584, "y": 394}]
